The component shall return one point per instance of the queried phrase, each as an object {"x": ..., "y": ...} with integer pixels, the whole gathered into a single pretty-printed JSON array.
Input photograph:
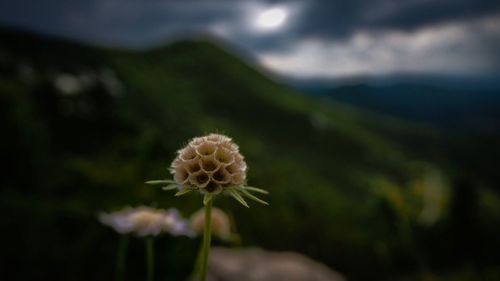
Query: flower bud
[{"x": 221, "y": 226}]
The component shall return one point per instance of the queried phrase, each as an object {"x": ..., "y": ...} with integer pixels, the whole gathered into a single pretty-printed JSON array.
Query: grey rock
[{"x": 256, "y": 264}]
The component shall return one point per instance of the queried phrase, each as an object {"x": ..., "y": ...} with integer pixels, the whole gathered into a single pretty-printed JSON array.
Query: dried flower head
[
  {"x": 221, "y": 226},
  {"x": 211, "y": 164},
  {"x": 147, "y": 221}
]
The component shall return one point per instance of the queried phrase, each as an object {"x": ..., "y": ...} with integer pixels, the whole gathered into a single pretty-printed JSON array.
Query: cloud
[
  {"x": 338, "y": 19},
  {"x": 468, "y": 47},
  {"x": 321, "y": 37}
]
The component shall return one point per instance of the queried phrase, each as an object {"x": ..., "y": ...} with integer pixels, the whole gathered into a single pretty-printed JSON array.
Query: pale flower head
[
  {"x": 147, "y": 221},
  {"x": 221, "y": 226},
  {"x": 210, "y": 163}
]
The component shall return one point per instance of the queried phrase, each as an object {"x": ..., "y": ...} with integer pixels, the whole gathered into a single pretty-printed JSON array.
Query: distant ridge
[{"x": 444, "y": 107}]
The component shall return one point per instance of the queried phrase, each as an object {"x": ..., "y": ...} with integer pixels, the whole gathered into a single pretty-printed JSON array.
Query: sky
[{"x": 318, "y": 39}]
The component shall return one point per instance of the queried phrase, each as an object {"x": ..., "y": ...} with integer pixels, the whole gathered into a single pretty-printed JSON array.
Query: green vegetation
[{"x": 371, "y": 196}]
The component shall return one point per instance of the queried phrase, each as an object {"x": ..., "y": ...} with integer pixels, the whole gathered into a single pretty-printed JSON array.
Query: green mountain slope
[{"x": 87, "y": 125}]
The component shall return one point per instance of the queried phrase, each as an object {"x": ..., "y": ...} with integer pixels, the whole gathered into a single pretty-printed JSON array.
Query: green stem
[
  {"x": 121, "y": 257},
  {"x": 149, "y": 258},
  {"x": 207, "y": 236}
]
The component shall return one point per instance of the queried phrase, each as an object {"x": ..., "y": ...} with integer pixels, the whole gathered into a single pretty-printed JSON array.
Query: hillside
[{"x": 87, "y": 125}]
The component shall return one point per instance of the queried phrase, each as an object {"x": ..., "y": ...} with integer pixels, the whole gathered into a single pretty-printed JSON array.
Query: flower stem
[
  {"x": 207, "y": 236},
  {"x": 121, "y": 257},
  {"x": 149, "y": 258}
]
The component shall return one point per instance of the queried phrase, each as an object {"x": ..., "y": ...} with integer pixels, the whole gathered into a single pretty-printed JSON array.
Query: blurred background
[{"x": 375, "y": 125}]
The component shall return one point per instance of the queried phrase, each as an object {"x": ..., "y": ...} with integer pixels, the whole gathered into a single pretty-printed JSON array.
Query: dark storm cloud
[
  {"x": 130, "y": 22},
  {"x": 146, "y": 21},
  {"x": 340, "y": 18},
  {"x": 464, "y": 48},
  {"x": 356, "y": 36}
]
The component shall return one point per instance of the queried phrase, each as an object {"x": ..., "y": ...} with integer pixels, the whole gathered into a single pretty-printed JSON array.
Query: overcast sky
[{"x": 298, "y": 38}]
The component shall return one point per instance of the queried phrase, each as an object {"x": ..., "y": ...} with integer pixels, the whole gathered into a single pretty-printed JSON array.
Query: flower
[
  {"x": 211, "y": 164},
  {"x": 221, "y": 226},
  {"x": 147, "y": 221}
]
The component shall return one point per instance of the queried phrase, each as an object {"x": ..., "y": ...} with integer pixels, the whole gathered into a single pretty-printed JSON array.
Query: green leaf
[
  {"x": 249, "y": 195},
  {"x": 170, "y": 187},
  {"x": 183, "y": 191},
  {"x": 160, "y": 182},
  {"x": 255, "y": 189},
  {"x": 207, "y": 198},
  {"x": 237, "y": 196}
]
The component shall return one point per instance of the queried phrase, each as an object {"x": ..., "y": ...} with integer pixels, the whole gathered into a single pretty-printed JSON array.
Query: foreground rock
[{"x": 259, "y": 265}]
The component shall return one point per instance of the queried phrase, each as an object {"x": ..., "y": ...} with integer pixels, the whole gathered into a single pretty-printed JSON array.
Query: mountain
[
  {"x": 362, "y": 192},
  {"x": 448, "y": 107}
]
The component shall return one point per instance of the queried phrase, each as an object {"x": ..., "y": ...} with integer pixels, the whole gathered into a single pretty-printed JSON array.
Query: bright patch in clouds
[
  {"x": 272, "y": 18},
  {"x": 463, "y": 48},
  {"x": 256, "y": 19},
  {"x": 261, "y": 18}
]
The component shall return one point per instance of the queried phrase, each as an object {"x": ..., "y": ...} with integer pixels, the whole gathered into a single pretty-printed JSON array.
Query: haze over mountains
[{"x": 463, "y": 106}]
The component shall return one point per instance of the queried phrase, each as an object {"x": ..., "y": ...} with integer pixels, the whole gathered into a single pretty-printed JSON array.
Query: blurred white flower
[{"x": 147, "y": 221}]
